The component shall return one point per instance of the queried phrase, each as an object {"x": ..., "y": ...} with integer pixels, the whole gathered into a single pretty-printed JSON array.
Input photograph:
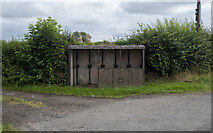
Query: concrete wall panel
[
  {"x": 94, "y": 75},
  {"x": 123, "y": 59},
  {"x": 83, "y": 58},
  {"x": 105, "y": 77},
  {"x": 120, "y": 77},
  {"x": 135, "y": 58},
  {"x": 95, "y": 58},
  {"x": 109, "y": 58},
  {"x": 83, "y": 75},
  {"x": 135, "y": 77}
]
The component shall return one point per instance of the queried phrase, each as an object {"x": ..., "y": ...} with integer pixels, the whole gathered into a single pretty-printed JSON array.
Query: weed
[{"x": 7, "y": 127}]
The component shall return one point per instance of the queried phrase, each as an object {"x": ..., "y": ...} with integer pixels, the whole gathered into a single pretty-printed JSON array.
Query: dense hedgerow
[
  {"x": 173, "y": 46},
  {"x": 15, "y": 65},
  {"x": 40, "y": 58}
]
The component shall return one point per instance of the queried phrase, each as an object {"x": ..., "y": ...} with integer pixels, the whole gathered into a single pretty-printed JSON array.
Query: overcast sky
[{"x": 102, "y": 20}]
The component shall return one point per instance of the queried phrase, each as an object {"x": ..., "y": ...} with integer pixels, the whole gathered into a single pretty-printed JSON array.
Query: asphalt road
[{"x": 188, "y": 112}]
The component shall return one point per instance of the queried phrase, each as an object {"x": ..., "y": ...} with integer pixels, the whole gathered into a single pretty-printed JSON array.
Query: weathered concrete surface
[
  {"x": 86, "y": 62},
  {"x": 107, "y": 76},
  {"x": 107, "y": 47},
  {"x": 103, "y": 81},
  {"x": 120, "y": 77},
  {"x": 154, "y": 113},
  {"x": 135, "y": 77}
]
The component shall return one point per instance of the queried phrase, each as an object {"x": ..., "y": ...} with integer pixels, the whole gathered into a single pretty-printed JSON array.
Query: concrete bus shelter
[{"x": 106, "y": 66}]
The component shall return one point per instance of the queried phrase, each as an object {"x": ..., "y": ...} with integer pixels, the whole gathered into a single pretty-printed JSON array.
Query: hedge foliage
[
  {"x": 173, "y": 46},
  {"x": 47, "y": 49},
  {"x": 40, "y": 57},
  {"x": 15, "y": 66}
]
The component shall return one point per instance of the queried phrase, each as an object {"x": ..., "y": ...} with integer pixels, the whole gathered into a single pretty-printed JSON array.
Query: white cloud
[
  {"x": 206, "y": 13},
  {"x": 101, "y": 20}
]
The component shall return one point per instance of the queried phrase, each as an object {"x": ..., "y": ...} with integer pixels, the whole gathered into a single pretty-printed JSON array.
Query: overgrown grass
[
  {"x": 11, "y": 100},
  {"x": 187, "y": 84}
]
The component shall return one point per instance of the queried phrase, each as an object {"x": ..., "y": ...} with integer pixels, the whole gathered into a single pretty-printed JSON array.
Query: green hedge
[
  {"x": 40, "y": 58},
  {"x": 15, "y": 65},
  {"x": 173, "y": 46}
]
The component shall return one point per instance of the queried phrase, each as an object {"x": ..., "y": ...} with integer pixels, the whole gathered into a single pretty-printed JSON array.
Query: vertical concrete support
[
  {"x": 143, "y": 66},
  {"x": 71, "y": 73},
  {"x": 143, "y": 59}
]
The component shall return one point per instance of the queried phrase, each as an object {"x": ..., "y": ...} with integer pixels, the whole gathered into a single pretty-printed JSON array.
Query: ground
[{"x": 176, "y": 112}]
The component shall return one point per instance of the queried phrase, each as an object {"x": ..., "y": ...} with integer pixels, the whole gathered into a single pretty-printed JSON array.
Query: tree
[
  {"x": 81, "y": 37},
  {"x": 47, "y": 46}
]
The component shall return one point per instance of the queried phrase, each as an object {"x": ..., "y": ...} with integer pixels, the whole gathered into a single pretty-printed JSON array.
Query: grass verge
[
  {"x": 187, "y": 84},
  {"x": 11, "y": 100}
]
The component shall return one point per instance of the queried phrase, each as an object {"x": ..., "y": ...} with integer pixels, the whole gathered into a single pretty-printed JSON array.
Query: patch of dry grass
[
  {"x": 11, "y": 100},
  {"x": 190, "y": 77}
]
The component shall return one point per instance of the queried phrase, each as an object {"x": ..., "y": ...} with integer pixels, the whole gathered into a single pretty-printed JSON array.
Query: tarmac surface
[{"x": 165, "y": 113}]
